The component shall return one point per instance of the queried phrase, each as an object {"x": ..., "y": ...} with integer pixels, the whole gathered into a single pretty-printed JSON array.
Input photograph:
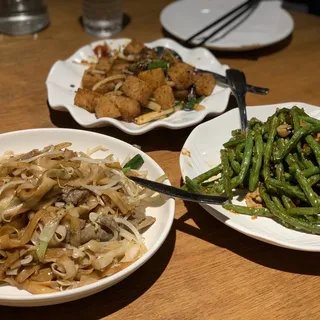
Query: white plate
[
  {"x": 204, "y": 144},
  {"x": 66, "y": 73},
  {"x": 267, "y": 24},
  {"x": 23, "y": 141}
]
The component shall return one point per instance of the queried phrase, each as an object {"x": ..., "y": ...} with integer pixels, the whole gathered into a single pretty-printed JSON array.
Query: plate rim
[
  {"x": 90, "y": 289},
  {"x": 138, "y": 130},
  {"x": 234, "y": 48},
  {"x": 215, "y": 210}
]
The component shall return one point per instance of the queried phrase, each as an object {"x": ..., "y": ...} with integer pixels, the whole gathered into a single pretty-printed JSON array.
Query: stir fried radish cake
[{"x": 135, "y": 85}]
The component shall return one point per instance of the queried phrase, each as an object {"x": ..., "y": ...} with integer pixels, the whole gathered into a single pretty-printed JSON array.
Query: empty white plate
[
  {"x": 65, "y": 77},
  {"x": 23, "y": 141},
  {"x": 265, "y": 25},
  {"x": 204, "y": 144}
]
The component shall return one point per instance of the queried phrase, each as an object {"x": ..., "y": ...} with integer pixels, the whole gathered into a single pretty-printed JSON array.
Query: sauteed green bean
[{"x": 277, "y": 163}]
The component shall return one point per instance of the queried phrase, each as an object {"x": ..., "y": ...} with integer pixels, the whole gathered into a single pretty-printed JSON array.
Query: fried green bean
[
  {"x": 310, "y": 120},
  {"x": 239, "y": 152},
  {"x": 313, "y": 180},
  {"x": 300, "y": 111},
  {"x": 304, "y": 211},
  {"x": 226, "y": 174},
  {"x": 315, "y": 147},
  {"x": 312, "y": 197},
  {"x": 303, "y": 131},
  {"x": 291, "y": 161},
  {"x": 208, "y": 174},
  {"x": 295, "y": 119},
  {"x": 311, "y": 171},
  {"x": 220, "y": 187},
  {"x": 234, "y": 141},
  {"x": 282, "y": 216},
  {"x": 261, "y": 212},
  {"x": 264, "y": 128},
  {"x": 283, "y": 163},
  {"x": 256, "y": 166},
  {"x": 287, "y": 189},
  {"x": 287, "y": 202},
  {"x": 282, "y": 118},
  {"x": 298, "y": 161},
  {"x": 282, "y": 110},
  {"x": 193, "y": 186},
  {"x": 279, "y": 144},
  {"x": 211, "y": 187},
  {"x": 280, "y": 172},
  {"x": 313, "y": 219},
  {"x": 306, "y": 162},
  {"x": 273, "y": 208},
  {"x": 277, "y": 202},
  {"x": 235, "y": 165},
  {"x": 287, "y": 176},
  {"x": 268, "y": 148},
  {"x": 253, "y": 122},
  {"x": 247, "y": 154},
  {"x": 236, "y": 132}
]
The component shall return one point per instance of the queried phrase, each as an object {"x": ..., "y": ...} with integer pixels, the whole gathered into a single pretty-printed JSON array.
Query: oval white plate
[
  {"x": 204, "y": 144},
  {"x": 23, "y": 141},
  {"x": 65, "y": 73},
  {"x": 267, "y": 24}
]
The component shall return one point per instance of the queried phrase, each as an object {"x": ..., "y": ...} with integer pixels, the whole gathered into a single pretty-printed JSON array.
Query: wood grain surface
[{"x": 204, "y": 270}]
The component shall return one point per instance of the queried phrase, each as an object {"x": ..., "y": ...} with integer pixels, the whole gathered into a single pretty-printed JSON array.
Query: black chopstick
[
  {"x": 246, "y": 6},
  {"x": 213, "y": 33}
]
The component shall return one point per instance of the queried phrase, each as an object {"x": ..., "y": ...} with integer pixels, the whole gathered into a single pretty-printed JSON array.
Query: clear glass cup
[
  {"x": 18, "y": 17},
  {"x": 102, "y": 18}
]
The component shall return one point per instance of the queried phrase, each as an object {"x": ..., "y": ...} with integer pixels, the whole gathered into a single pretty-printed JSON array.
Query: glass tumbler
[
  {"x": 19, "y": 17},
  {"x": 102, "y": 18}
]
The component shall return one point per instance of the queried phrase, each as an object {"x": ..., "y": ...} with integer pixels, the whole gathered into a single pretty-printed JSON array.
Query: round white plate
[
  {"x": 65, "y": 74},
  {"x": 23, "y": 141},
  {"x": 265, "y": 25},
  {"x": 204, "y": 144}
]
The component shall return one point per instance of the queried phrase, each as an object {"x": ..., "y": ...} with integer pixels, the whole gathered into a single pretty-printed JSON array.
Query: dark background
[{"x": 310, "y": 6}]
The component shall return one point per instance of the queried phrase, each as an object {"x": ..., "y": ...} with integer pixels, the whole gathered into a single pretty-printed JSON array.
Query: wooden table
[{"x": 204, "y": 270}]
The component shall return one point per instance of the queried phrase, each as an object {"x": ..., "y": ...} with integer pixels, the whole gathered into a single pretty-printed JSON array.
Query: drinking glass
[
  {"x": 102, "y": 18},
  {"x": 18, "y": 17}
]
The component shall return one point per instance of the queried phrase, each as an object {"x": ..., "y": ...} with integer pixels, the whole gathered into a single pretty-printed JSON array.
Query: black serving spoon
[{"x": 179, "y": 193}]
